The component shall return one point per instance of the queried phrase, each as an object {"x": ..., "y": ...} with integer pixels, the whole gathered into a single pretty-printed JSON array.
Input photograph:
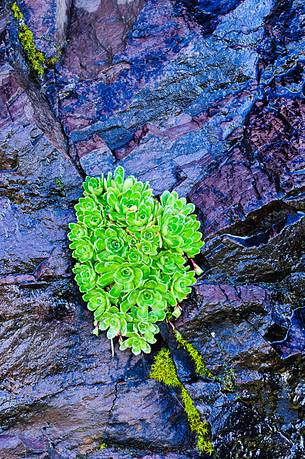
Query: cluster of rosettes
[{"x": 132, "y": 251}]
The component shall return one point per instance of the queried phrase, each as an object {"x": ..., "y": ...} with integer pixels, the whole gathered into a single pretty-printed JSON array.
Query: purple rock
[{"x": 206, "y": 98}]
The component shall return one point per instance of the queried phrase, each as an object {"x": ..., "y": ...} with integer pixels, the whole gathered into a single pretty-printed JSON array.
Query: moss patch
[
  {"x": 200, "y": 365},
  {"x": 164, "y": 371},
  {"x": 60, "y": 186},
  {"x": 228, "y": 382},
  {"x": 103, "y": 446},
  {"x": 36, "y": 59}
]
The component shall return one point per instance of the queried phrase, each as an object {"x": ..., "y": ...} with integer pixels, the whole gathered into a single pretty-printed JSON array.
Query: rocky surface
[{"x": 202, "y": 97}]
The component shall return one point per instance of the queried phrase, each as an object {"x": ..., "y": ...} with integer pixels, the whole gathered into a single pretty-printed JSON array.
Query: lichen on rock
[{"x": 35, "y": 58}]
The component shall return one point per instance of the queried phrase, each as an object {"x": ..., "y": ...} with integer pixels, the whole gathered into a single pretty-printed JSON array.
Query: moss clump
[
  {"x": 200, "y": 366},
  {"x": 228, "y": 382},
  {"x": 51, "y": 61},
  {"x": 60, "y": 185},
  {"x": 17, "y": 13},
  {"x": 201, "y": 428},
  {"x": 35, "y": 58},
  {"x": 103, "y": 446},
  {"x": 164, "y": 371}
]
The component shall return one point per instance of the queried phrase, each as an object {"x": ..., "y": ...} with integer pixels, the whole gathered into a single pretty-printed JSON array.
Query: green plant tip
[
  {"x": 228, "y": 383},
  {"x": 103, "y": 446},
  {"x": 132, "y": 253}
]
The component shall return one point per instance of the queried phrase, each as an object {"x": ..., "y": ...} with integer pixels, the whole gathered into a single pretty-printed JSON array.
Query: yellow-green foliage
[
  {"x": 201, "y": 428},
  {"x": 228, "y": 383},
  {"x": 17, "y": 13},
  {"x": 163, "y": 370},
  {"x": 35, "y": 58},
  {"x": 197, "y": 358},
  {"x": 103, "y": 446},
  {"x": 51, "y": 61}
]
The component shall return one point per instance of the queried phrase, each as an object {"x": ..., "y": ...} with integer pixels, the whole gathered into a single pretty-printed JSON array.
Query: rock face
[{"x": 205, "y": 98}]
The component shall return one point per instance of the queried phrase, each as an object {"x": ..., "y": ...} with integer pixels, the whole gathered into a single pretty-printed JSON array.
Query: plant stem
[
  {"x": 197, "y": 268},
  {"x": 172, "y": 325}
]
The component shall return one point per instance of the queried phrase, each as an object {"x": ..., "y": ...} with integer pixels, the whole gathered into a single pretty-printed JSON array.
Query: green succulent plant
[{"x": 133, "y": 254}]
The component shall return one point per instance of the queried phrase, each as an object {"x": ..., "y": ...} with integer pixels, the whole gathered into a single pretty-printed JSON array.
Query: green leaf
[
  {"x": 112, "y": 332},
  {"x": 93, "y": 185},
  {"x": 150, "y": 337},
  {"x": 142, "y": 312},
  {"x": 95, "y": 331},
  {"x": 111, "y": 199},
  {"x": 119, "y": 175},
  {"x": 136, "y": 350},
  {"x": 98, "y": 313},
  {"x": 124, "y": 345},
  {"x": 115, "y": 292},
  {"x": 146, "y": 347},
  {"x": 104, "y": 280}
]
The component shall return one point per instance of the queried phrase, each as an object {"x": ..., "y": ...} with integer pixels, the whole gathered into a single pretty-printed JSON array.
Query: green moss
[
  {"x": 199, "y": 427},
  {"x": 164, "y": 371},
  {"x": 200, "y": 366},
  {"x": 35, "y": 58},
  {"x": 60, "y": 185},
  {"x": 228, "y": 382},
  {"x": 17, "y": 13},
  {"x": 51, "y": 61}
]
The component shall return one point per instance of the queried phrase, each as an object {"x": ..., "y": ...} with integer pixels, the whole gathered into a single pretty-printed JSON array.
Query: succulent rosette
[
  {"x": 132, "y": 251},
  {"x": 85, "y": 276}
]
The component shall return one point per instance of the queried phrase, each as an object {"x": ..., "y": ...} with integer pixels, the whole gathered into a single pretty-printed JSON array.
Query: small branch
[
  {"x": 172, "y": 325},
  {"x": 112, "y": 348},
  {"x": 197, "y": 268}
]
